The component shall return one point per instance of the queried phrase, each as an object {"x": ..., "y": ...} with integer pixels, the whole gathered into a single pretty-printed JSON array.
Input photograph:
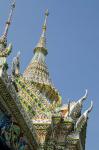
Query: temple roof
[{"x": 34, "y": 101}]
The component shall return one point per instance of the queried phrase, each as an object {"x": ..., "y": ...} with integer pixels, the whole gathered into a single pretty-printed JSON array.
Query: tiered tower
[{"x": 32, "y": 116}]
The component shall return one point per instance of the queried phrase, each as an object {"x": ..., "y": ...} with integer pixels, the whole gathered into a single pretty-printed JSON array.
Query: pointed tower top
[
  {"x": 68, "y": 108},
  {"x": 37, "y": 72},
  {"x": 42, "y": 42},
  {"x": 3, "y": 39},
  {"x": 45, "y": 23}
]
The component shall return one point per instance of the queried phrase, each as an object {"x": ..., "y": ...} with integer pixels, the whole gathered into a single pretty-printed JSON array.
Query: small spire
[
  {"x": 3, "y": 39},
  {"x": 16, "y": 65},
  {"x": 42, "y": 41},
  {"x": 68, "y": 108}
]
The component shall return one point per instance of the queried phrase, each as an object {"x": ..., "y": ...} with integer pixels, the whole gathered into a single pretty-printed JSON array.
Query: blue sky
[{"x": 73, "y": 46}]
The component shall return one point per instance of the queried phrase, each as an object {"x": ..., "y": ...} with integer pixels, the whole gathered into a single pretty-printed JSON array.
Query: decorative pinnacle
[
  {"x": 8, "y": 22},
  {"x": 42, "y": 41},
  {"x": 68, "y": 108},
  {"x": 45, "y": 23}
]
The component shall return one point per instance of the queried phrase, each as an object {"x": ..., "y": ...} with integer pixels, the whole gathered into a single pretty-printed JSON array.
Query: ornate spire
[
  {"x": 42, "y": 42},
  {"x": 3, "y": 39},
  {"x": 37, "y": 72},
  {"x": 68, "y": 108}
]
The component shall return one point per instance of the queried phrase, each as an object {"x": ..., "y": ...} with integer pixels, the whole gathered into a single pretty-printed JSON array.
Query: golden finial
[
  {"x": 9, "y": 19},
  {"x": 45, "y": 22},
  {"x": 68, "y": 108},
  {"x": 42, "y": 41},
  {"x": 8, "y": 22}
]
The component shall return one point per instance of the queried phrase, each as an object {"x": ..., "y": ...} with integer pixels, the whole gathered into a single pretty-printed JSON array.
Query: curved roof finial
[
  {"x": 3, "y": 39},
  {"x": 42, "y": 41},
  {"x": 76, "y": 108},
  {"x": 83, "y": 118},
  {"x": 89, "y": 109},
  {"x": 84, "y": 97}
]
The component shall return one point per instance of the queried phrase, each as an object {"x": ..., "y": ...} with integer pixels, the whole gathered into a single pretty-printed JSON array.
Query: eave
[{"x": 9, "y": 95}]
